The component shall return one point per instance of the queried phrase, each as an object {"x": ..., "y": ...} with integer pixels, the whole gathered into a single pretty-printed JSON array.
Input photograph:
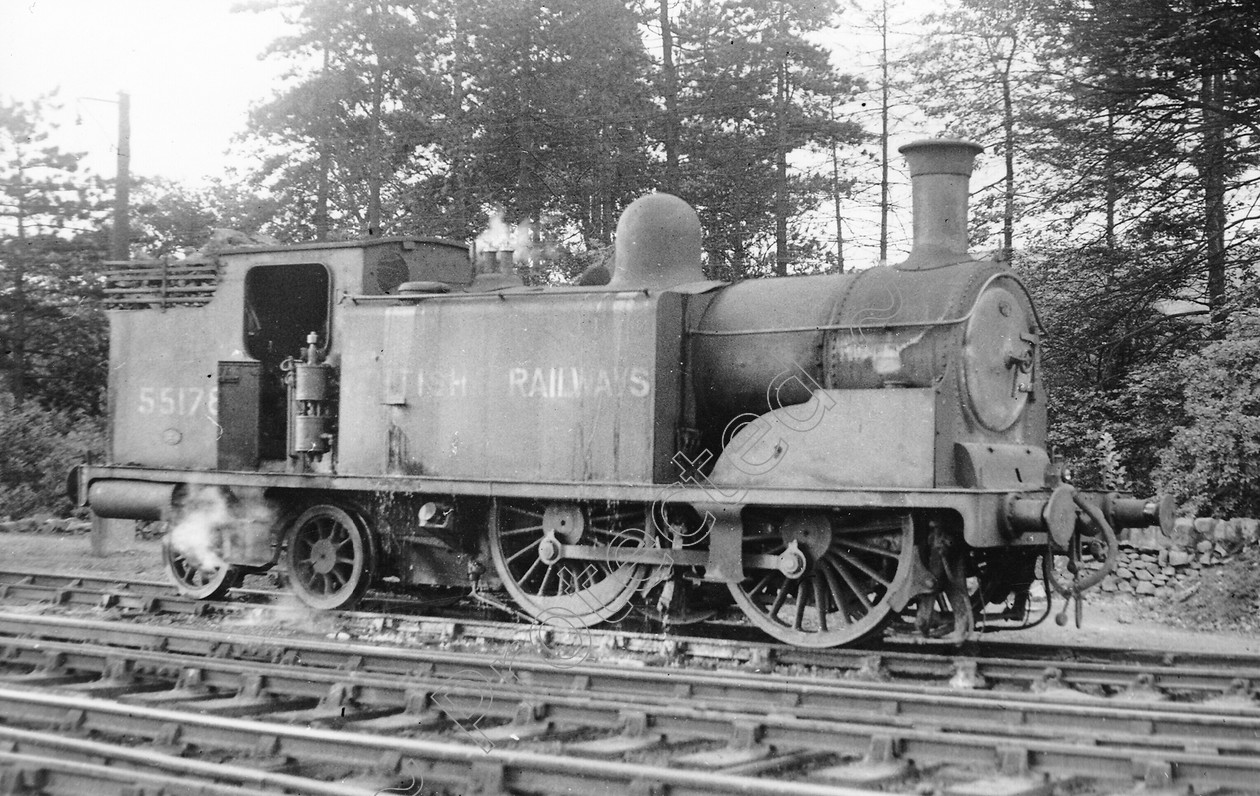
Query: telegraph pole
[
  {"x": 883, "y": 136},
  {"x": 119, "y": 245}
]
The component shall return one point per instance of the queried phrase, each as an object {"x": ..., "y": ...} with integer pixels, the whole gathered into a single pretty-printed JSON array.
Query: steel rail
[
  {"x": 531, "y": 658},
  {"x": 38, "y": 762},
  {"x": 818, "y": 717},
  {"x": 1171, "y": 672},
  {"x": 465, "y": 767}
]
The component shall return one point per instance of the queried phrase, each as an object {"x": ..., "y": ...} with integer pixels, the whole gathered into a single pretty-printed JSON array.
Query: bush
[
  {"x": 1212, "y": 464},
  {"x": 40, "y": 446},
  {"x": 1228, "y": 596}
]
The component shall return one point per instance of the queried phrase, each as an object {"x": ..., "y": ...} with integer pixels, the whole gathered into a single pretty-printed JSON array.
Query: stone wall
[{"x": 1152, "y": 564}]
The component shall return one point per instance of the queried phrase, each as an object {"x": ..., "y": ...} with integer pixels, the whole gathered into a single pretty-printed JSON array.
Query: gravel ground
[
  {"x": 64, "y": 552},
  {"x": 1108, "y": 620},
  {"x": 1124, "y": 622}
]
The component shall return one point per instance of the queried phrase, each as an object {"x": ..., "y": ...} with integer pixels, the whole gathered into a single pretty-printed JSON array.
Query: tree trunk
[
  {"x": 325, "y": 163},
  {"x": 1008, "y": 133},
  {"x": 1212, "y": 172},
  {"x": 375, "y": 156},
  {"x": 17, "y": 324},
  {"x": 835, "y": 198},
  {"x": 780, "y": 155},
  {"x": 455, "y": 145},
  {"x": 1109, "y": 174},
  {"x": 375, "y": 159},
  {"x": 670, "y": 76}
]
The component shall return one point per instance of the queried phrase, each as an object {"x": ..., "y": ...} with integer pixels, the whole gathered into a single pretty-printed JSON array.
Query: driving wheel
[
  {"x": 528, "y": 541},
  {"x": 822, "y": 579}
]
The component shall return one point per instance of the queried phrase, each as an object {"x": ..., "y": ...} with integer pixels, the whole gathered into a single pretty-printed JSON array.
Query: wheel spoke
[
  {"x": 519, "y": 531},
  {"x": 761, "y": 584},
  {"x": 551, "y": 569},
  {"x": 854, "y": 588},
  {"x": 858, "y": 563},
  {"x": 533, "y": 515},
  {"x": 820, "y": 601},
  {"x": 869, "y": 548},
  {"x": 531, "y": 546},
  {"x": 779, "y": 598},
  {"x": 529, "y": 573},
  {"x": 836, "y": 593}
]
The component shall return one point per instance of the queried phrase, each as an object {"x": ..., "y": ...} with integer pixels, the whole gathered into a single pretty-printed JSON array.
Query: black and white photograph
[{"x": 647, "y": 397}]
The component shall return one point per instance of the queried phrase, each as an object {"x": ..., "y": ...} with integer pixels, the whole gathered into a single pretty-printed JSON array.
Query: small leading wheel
[
  {"x": 820, "y": 579},
  {"x": 527, "y": 540},
  {"x": 194, "y": 578},
  {"x": 329, "y": 557}
]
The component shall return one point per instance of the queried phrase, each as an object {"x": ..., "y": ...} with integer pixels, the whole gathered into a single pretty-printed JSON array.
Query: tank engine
[{"x": 829, "y": 452}]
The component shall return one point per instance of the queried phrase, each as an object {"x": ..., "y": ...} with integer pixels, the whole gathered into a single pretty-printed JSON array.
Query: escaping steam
[
  {"x": 209, "y": 518},
  {"x": 526, "y": 240}
]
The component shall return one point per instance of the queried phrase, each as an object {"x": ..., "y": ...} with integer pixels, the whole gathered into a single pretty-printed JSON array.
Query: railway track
[
  {"x": 682, "y": 721},
  {"x": 461, "y": 708},
  {"x": 987, "y": 664}
]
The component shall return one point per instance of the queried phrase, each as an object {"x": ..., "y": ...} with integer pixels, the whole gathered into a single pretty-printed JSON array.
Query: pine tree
[{"x": 52, "y": 331}]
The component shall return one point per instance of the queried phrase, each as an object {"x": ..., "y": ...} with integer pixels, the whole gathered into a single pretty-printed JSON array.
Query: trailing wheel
[
  {"x": 822, "y": 579},
  {"x": 528, "y": 541},
  {"x": 199, "y": 579},
  {"x": 330, "y": 557}
]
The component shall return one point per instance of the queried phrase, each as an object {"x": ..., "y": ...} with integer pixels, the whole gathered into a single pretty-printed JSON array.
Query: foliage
[
  {"x": 67, "y": 343},
  {"x": 982, "y": 71},
  {"x": 52, "y": 333},
  {"x": 1171, "y": 89},
  {"x": 1108, "y": 342},
  {"x": 557, "y": 112},
  {"x": 40, "y": 448},
  {"x": 170, "y": 219},
  {"x": 1212, "y": 463},
  {"x": 1115, "y": 477},
  {"x": 335, "y": 142},
  {"x": 443, "y": 110},
  {"x": 754, "y": 88}
]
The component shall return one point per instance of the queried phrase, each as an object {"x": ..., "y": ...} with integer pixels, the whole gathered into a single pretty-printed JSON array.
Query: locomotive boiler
[{"x": 826, "y": 453}]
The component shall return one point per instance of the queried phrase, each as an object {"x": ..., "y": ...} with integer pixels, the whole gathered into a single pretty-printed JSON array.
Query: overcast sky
[{"x": 190, "y": 66}]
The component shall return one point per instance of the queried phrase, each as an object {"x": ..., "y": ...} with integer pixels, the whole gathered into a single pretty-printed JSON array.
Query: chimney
[
  {"x": 940, "y": 172},
  {"x": 494, "y": 270}
]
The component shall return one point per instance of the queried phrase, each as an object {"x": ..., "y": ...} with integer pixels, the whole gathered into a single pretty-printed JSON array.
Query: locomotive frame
[{"x": 831, "y": 451}]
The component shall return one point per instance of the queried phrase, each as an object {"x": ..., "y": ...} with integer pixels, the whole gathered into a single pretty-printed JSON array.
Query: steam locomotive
[{"x": 826, "y": 453}]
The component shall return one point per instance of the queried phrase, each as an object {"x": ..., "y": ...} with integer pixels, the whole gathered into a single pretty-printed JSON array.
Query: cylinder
[
  {"x": 129, "y": 500},
  {"x": 485, "y": 262},
  {"x": 310, "y": 382},
  {"x": 309, "y": 433}
]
